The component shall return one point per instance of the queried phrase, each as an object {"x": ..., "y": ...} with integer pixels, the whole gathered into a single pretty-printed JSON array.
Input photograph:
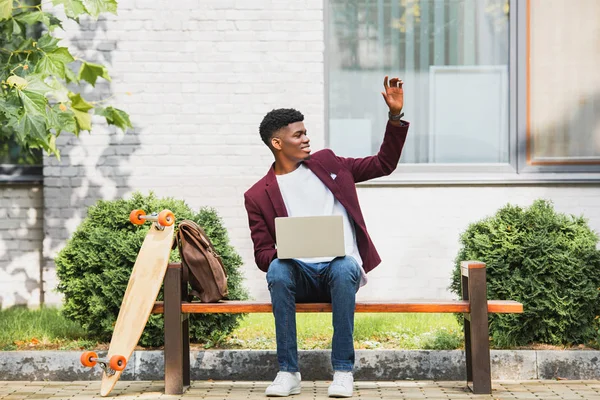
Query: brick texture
[
  {"x": 200, "y": 77},
  {"x": 20, "y": 244}
]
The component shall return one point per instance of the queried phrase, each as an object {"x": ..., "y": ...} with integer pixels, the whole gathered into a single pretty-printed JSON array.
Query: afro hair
[{"x": 277, "y": 119}]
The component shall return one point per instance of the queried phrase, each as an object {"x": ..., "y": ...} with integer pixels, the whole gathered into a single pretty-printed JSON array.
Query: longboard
[{"x": 144, "y": 284}]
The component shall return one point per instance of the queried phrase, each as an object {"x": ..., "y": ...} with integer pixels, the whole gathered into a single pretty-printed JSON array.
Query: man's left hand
[{"x": 393, "y": 95}]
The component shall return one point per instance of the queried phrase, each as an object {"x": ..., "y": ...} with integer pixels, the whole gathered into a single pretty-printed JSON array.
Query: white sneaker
[
  {"x": 342, "y": 385},
  {"x": 285, "y": 383}
]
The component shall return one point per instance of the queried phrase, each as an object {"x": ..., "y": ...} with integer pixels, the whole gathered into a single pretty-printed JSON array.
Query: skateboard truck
[
  {"x": 162, "y": 219},
  {"x": 109, "y": 366}
]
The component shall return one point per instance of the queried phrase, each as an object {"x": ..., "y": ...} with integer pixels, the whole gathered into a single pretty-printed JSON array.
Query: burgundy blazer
[{"x": 263, "y": 201}]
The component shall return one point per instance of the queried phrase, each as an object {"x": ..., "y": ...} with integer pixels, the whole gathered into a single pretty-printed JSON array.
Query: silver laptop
[{"x": 307, "y": 237}]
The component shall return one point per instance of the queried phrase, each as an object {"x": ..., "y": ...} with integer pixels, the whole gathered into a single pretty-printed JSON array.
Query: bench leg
[
  {"x": 185, "y": 325},
  {"x": 175, "y": 354},
  {"x": 467, "y": 331},
  {"x": 478, "y": 353}
]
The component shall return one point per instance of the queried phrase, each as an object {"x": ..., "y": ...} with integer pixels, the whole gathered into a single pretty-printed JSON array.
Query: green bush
[
  {"x": 544, "y": 259},
  {"x": 94, "y": 268}
]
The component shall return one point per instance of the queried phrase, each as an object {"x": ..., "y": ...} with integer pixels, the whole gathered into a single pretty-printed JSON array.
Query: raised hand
[{"x": 393, "y": 95}]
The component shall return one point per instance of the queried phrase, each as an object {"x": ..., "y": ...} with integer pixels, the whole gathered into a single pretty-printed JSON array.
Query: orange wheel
[
  {"x": 166, "y": 218},
  {"x": 86, "y": 359},
  {"x": 118, "y": 363},
  {"x": 134, "y": 217}
]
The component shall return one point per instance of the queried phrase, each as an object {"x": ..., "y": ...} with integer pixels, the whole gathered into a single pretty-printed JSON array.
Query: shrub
[
  {"x": 444, "y": 339},
  {"x": 94, "y": 268},
  {"x": 544, "y": 259}
]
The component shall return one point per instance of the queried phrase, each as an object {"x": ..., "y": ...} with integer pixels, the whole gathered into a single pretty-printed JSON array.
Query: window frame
[
  {"x": 516, "y": 170},
  {"x": 567, "y": 168},
  {"x": 21, "y": 173}
]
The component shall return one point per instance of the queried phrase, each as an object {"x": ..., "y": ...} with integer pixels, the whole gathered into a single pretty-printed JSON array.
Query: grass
[
  {"x": 41, "y": 329},
  {"x": 371, "y": 331},
  {"x": 46, "y": 328}
]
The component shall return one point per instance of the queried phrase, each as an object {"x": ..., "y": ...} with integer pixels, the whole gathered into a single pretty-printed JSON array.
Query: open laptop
[{"x": 307, "y": 237}]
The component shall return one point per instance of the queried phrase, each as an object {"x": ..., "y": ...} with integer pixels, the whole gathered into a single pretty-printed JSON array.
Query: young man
[{"x": 324, "y": 184}]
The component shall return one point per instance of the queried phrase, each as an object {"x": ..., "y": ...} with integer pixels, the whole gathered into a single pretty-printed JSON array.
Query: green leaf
[
  {"x": 61, "y": 120},
  {"x": 20, "y": 134},
  {"x": 52, "y": 147},
  {"x": 84, "y": 121},
  {"x": 96, "y": 7},
  {"x": 9, "y": 109},
  {"x": 53, "y": 22},
  {"x": 62, "y": 54},
  {"x": 6, "y": 9},
  {"x": 54, "y": 62},
  {"x": 36, "y": 84},
  {"x": 33, "y": 126},
  {"x": 26, "y": 45},
  {"x": 70, "y": 75},
  {"x": 49, "y": 66},
  {"x": 116, "y": 117},
  {"x": 80, "y": 109},
  {"x": 73, "y": 8},
  {"x": 48, "y": 43},
  {"x": 32, "y": 17},
  {"x": 33, "y": 103},
  {"x": 59, "y": 91},
  {"x": 17, "y": 27},
  {"x": 90, "y": 72},
  {"x": 77, "y": 102}
]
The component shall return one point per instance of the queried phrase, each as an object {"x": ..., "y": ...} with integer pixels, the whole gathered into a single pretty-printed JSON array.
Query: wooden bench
[{"x": 474, "y": 306}]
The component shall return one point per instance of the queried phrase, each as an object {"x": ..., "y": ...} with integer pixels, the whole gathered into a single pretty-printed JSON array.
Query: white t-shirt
[{"x": 305, "y": 195}]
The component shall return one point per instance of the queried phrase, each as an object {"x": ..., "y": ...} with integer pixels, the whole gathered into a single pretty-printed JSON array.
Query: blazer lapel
[
  {"x": 275, "y": 194},
  {"x": 324, "y": 175},
  {"x": 333, "y": 184}
]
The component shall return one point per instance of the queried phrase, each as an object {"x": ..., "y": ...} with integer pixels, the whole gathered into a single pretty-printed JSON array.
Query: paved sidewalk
[{"x": 217, "y": 390}]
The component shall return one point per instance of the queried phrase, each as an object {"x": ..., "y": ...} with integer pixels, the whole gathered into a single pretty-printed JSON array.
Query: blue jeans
[{"x": 335, "y": 282}]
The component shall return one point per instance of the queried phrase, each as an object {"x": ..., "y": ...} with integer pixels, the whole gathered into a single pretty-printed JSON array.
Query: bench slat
[{"x": 450, "y": 306}]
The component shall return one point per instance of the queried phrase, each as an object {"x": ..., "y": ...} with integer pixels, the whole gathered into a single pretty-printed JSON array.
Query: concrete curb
[{"x": 315, "y": 365}]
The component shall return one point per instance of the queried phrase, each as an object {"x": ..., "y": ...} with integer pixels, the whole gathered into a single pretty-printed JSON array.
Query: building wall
[
  {"x": 196, "y": 78},
  {"x": 21, "y": 216},
  {"x": 417, "y": 229},
  {"x": 201, "y": 75}
]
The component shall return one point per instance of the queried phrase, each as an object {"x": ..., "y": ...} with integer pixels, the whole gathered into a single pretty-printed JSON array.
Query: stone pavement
[{"x": 217, "y": 390}]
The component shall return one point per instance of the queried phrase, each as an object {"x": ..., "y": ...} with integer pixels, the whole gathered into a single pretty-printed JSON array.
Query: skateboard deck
[{"x": 144, "y": 284}]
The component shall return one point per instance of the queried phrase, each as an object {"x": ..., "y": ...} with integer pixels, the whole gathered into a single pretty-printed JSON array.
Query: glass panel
[
  {"x": 453, "y": 58},
  {"x": 12, "y": 153},
  {"x": 564, "y": 78}
]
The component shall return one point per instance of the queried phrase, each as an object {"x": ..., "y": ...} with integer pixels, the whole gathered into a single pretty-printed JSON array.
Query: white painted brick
[
  {"x": 20, "y": 243},
  {"x": 202, "y": 75},
  {"x": 253, "y": 5}
]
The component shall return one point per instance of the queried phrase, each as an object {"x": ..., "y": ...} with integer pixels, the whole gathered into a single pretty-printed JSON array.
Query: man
[{"x": 324, "y": 184}]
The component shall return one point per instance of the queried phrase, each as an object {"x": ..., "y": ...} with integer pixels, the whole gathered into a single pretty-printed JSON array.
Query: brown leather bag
[{"x": 202, "y": 266}]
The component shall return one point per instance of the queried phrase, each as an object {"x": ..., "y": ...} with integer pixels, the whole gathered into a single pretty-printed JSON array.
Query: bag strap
[{"x": 185, "y": 269}]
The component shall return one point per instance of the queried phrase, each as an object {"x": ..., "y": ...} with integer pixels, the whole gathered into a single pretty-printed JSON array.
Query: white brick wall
[
  {"x": 202, "y": 74},
  {"x": 417, "y": 229},
  {"x": 20, "y": 244}
]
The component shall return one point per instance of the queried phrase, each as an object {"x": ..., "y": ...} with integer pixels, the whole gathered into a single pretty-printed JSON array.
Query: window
[
  {"x": 453, "y": 58},
  {"x": 497, "y": 85},
  {"x": 563, "y": 116},
  {"x": 18, "y": 164}
]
